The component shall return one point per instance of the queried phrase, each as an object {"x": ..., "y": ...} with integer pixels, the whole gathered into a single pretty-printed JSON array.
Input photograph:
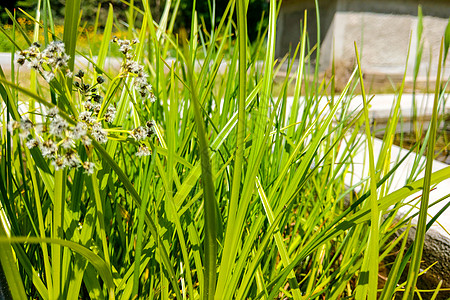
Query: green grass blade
[
  {"x": 9, "y": 266},
  {"x": 98, "y": 263},
  {"x": 153, "y": 229},
  {"x": 370, "y": 263},
  {"x": 210, "y": 242},
  {"x": 413, "y": 272},
  {"x": 103, "y": 51}
]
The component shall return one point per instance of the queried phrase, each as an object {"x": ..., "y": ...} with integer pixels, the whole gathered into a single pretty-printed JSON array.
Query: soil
[{"x": 442, "y": 146}]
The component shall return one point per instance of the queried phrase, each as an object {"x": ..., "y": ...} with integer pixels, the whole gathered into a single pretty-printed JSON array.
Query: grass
[{"x": 207, "y": 186}]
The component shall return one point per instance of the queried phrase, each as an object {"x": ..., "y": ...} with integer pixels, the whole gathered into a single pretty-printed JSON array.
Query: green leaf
[
  {"x": 98, "y": 263},
  {"x": 446, "y": 40}
]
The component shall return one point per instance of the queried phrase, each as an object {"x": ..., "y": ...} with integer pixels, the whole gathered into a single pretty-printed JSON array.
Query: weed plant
[{"x": 185, "y": 178}]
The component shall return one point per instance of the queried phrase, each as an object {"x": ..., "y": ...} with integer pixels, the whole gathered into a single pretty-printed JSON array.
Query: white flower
[
  {"x": 25, "y": 128},
  {"x": 58, "y": 163},
  {"x": 12, "y": 125},
  {"x": 133, "y": 67},
  {"x": 88, "y": 105},
  {"x": 26, "y": 124},
  {"x": 110, "y": 114},
  {"x": 124, "y": 46},
  {"x": 71, "y": 159},
  {"x": 52, "y": 112},
  {"x": 86, "y": 117},
  {"x": 32, "y": 143},
  {"x": 143, "y": 151},
  {"x": 86, "y": 140},
  {"x": 40, "y": 128},
  {"x": 57, "y": 126},
  {"x": 48, "y": 76},
  {"x": 20, "y": 58},
  {"x": 34, "y": 64},
  {"x": 88, "y": 167},
  {"x": 152, "y": 97},
  {"x": 67, "y": 143},
  {"x": 139, "y": 133},
  {"x": 96, "y": 108},
  {"x": 78, "y": 131},
  {"x": 99, "y": 134},
  {"x": 48, "y": 148}
]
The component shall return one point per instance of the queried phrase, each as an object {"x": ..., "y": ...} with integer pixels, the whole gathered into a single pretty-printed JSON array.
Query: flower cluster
[
  {"x": 130, "y": 66},
  {"x": 93, "y": 102},
  {"x": 48, "y": 62},
  {"x": 56, "y": 139},
  {"x": 141, "y": 133}
]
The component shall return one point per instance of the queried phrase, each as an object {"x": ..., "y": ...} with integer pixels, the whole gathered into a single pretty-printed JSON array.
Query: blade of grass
[
  {"x": 414, "y": 267},
  {"x": 240, "y": 130},
  {"x": 103, "y": 51},
  {"x": 9, "y": 266},
  {"x": 72, "y": 15},
  {"x": 98, "y": 263},
  {"x": 370, "y": 263},
  {"x": 153, "y": 229},
  {"x": 58, "y": 232},
  {"x": 210, "y": 242}
]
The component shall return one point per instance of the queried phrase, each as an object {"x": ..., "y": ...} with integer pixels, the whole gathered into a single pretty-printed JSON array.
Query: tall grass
[{"x": 208, "y": 187}]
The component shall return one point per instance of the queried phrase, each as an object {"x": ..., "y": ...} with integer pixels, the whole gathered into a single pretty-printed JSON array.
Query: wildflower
[
  {"x": 48, "y": 148},
  {"x": 26, "y": 124},
  {"x": 52, "y": 112},
  {"x": 143, "y": 151},
  {"x": 86, "y": 140},
  {"x": 13, "y": 125},
  {"x": 32, "y": 143},
  {"x": 99, "y": 134},
  {"x": 67, "y": 143},
  {"x": 54, "y": 57},
  {"x": 71, "y": 159},
  {"x": 110, "y": 114},
  {"x": 20, "y": 58},
  {"x": 96, "y": 108},
  {"x": 58, "y": 163},
  {"x": 100, "y": 79},
  {"x": 48, "y": 76},
  {"x": 132, "y": 67},
  {"x": 124, "y": 45},
  {"x": 88, "y": 167},
  {"x": 80, "y": 74},
  {"x": 25, "y": 127},
  {"x": 78, "y": 131},
  {"x": 150, "y": 128},
  {"x": 139, "y": 133},
  {"x": 142, "y": 86},
  {"x": 88, "y": 105},
  {"x": 152, "y": 97},
  {"x": 96, "y": 98},
  {"x": 57, "y": 126},
  {"x": 40, "y": 128},
  {"x": 86, "y": 117}
]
